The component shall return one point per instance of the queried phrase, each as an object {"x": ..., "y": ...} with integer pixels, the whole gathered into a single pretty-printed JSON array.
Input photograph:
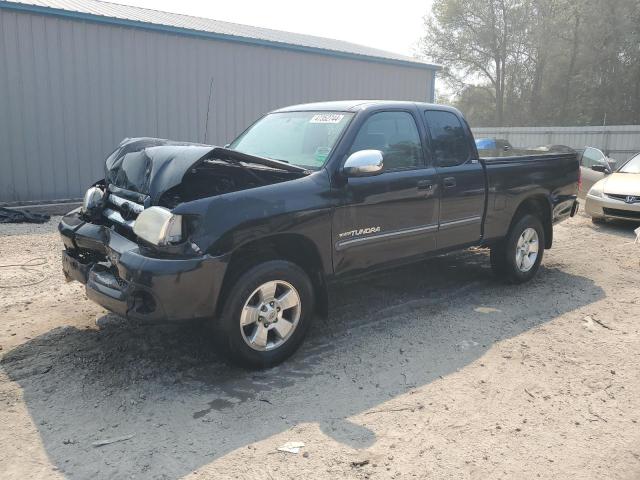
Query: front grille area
[
  {"x": 614, "y": 212},
  {"x": 616, "y": 196},
  {"x": 122, "y": 211},
  {"x": 622, "y": 198}
]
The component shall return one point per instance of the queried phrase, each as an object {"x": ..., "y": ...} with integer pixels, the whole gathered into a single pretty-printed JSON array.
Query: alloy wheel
[{"x": 270, "y": 315}]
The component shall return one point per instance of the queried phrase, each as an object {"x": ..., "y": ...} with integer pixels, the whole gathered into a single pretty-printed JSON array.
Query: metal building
[{"x": 78, "y": 76}]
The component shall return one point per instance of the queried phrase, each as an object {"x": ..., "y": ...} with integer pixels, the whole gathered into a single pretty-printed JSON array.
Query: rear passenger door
[{"x": 461, "y": 179}]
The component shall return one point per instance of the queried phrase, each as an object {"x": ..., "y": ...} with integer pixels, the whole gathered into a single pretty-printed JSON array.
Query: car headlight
[
  {"x": 157, "y": 225},
  {"x": 597, "y": 189},
  {"x": 92, "y": 199}
]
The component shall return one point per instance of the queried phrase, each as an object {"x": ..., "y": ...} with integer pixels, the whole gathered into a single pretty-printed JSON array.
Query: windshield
[
  {"x": 300, "y": 138},
  {"x": 632, "y": 166}
]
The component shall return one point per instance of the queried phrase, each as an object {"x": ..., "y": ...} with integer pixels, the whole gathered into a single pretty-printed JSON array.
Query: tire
[
  {"x": 264, "y": 307},
  {"x": 507, "y": 258}
]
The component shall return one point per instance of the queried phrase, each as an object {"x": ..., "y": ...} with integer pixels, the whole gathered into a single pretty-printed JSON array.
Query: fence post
[{"x": 607, "y": 134}]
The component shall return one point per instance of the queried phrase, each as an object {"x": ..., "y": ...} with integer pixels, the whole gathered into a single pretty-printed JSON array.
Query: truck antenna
[{"x": 206, "y": 123}]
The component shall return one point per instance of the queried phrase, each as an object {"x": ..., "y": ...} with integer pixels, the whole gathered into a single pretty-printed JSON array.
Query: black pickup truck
[{"x": 247, "y": 236}]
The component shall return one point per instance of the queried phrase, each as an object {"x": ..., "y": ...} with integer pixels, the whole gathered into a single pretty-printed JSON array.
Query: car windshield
[
  {"x": 300, "y": 138},
  {"x": 632, "y": 166}
]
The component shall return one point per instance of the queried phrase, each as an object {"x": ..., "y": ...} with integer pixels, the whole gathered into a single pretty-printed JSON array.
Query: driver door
[{"x": 391, "y": 216}]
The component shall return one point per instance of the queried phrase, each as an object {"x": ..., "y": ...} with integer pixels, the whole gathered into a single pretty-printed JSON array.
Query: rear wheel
[
  {"x": 517, "y": 257},
  {"x": 266, "y": 314}
]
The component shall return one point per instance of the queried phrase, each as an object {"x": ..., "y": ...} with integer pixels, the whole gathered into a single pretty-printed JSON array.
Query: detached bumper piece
[
  {"x": 122, "y": 279},
  {"x": 74, "y": 269},
  {"x": 575, "y": 208},
  {"x": 565, "y": 207}
]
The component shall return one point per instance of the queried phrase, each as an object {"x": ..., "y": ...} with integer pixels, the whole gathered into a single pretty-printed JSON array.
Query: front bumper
[
  {"x": 130, "y": 282},
  {"x": 607, "y": 207}
]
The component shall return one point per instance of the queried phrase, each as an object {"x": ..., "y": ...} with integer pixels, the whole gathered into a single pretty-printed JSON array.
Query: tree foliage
[{"x": 539, "y": 62}]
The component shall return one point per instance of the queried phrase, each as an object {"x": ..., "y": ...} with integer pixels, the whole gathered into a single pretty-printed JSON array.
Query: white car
[{"x": 617, "y": 195}]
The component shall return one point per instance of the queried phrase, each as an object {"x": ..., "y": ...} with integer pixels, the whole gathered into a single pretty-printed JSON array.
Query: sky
[{"x": 395, "y": 26}]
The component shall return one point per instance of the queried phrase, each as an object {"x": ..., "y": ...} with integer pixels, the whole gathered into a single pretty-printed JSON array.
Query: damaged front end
[
  {"x": 132, "y": 281},
  {"x": 136, "y": 256}
]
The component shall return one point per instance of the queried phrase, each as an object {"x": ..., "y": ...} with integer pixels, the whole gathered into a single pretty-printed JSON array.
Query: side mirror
[
  {"x": 601, "y": 168},
  {"x": 364, "y": 163}
]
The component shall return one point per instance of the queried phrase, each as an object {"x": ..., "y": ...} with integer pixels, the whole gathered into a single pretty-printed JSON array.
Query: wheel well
[
  {"x": 540, "y": 207},
  {"x": 291, "y": 247}
]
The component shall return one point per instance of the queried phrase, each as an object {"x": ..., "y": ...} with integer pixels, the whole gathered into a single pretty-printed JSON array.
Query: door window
[
  {"x": 395, "y": 134},
  {"x": 449, "y": 141},
  {"x": 592, "y": 156}
]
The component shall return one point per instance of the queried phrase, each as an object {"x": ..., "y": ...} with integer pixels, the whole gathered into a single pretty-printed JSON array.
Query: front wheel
[
  {"x": 517, "y": 257},
  {"x": 266, "y": 314}
]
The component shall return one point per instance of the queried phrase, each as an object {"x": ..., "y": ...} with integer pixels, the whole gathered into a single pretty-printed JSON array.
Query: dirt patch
[{"x": 433, "y": 370}]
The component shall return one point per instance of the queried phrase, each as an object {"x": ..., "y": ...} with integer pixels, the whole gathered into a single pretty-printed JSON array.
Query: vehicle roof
[{"x": 358, "y": 105}]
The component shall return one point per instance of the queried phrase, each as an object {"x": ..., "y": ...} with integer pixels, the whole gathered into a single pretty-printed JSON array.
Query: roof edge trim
[{"x": 57, "y": 12}]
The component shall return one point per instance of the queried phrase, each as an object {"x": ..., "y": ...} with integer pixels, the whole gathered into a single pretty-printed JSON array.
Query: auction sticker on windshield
[{"x": 326, "y": 118}]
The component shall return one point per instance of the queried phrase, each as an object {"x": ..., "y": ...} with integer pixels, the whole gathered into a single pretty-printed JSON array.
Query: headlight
[
  {"x": 597, "y": 189},
  {"x": 92, "y": 199},
  {"x": 157, "y": 225}
]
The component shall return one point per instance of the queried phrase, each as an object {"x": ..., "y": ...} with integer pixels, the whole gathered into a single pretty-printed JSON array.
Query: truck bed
[{"x": 517, "y": 175}]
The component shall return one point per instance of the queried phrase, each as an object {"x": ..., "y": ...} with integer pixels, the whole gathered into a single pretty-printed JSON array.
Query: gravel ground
[{"x": 435, "y": 370}]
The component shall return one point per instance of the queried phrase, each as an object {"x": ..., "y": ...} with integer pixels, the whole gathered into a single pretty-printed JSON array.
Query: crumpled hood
[
  {"x": 151, "y": 165},
  {"x": 622, "y": 184}
]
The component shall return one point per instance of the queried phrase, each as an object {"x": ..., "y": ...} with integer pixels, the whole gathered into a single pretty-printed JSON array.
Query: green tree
[
  {"x": 477, "y": 103},
  {"x": 539, "y": 62},
  {"x": 478, "y": 39}
]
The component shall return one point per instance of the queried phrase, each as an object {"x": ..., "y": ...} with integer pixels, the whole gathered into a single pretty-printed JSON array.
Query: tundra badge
[{"x": 360, "y": 231}]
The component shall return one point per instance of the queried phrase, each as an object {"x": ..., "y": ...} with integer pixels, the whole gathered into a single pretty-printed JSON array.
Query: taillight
[{"x": 579, "y": 179}]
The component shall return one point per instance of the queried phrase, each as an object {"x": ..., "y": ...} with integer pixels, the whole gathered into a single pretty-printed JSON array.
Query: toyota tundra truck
[{"x": 247, "y": 237}]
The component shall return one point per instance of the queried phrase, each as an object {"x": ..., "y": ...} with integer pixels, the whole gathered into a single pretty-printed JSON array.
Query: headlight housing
[
  {"x": 597, "y": 189},
  {"x": 92, "y": 199},
  {"x": 158, "y": 226}
]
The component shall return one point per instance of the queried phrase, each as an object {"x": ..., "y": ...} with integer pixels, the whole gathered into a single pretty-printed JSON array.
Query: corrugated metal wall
[
  {"x": 620, "y": 142},
  {"x": 71, "y": 90}
]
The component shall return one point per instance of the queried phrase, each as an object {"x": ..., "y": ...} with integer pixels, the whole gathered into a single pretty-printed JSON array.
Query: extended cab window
[
  {"x": 449, "y": 142},
  {"x": 301, "y": 138},
  {"x": 393, "y": 133}
]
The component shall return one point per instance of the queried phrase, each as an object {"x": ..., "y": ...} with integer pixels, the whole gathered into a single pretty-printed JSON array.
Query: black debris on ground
[{"x": 10, "y": 215}]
